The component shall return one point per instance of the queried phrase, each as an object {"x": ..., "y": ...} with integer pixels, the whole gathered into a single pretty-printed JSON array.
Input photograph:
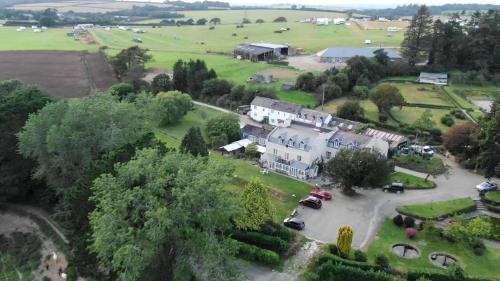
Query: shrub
[
  {"x": 277, "y": 230},
  {"x": 409, "y": 222},
  {"x": 360, "y": 256},
  {"x": 436, "y": 132},
  {"x": 333, "y": 249},
  {"x": 447, "y": 120},
  {"x": 338, "y": 260},
  {"x": 383, "y": 118},
  {"x": 398, "y": 220},
  {"x": 256, "y": 254},
  {"x": 262, "y": 240},
  {"x": 382, "y": 261},
  {"x": 411, "y": 232},
  {"x": 459, "y": 114},
  {"x": 478, "y": 246},
  {"x": 328, "y": 271},
  {"x": 344, "y": 240},
  {"x": 280, "y": 19}
]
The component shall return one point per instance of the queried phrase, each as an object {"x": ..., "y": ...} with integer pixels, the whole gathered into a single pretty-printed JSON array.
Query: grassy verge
[
  {"x": 440, "y": 209},
  {"x": 419, "y": 164},
  {"x": 485, "y": 266},
  {"x": 410, "y": 181}
]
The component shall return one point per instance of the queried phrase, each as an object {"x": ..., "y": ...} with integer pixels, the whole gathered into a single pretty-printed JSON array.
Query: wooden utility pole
[{"x": 323, "y": 98}]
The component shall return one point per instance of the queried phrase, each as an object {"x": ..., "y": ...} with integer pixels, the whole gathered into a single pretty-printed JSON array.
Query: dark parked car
[
  {"x": 311, "y": 202},
  {"x": 394, "y": 187},
  {"x": 294, "y": 223}
]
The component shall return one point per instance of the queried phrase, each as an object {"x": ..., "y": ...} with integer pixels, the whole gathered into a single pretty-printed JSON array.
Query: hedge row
[
  {"x": 277, "y": 230},
  {"x": 262, "y": 240},
  {"x": 338, "y": 260},
  {"x": 447, "y": 215},
  {"x": 436, "y": 276},
  {"x": 493, "y": 208},
  {"x": 426, "y": 105},
  {"x": 256, "y": 254},
  {"x": 331, "y": 271}
]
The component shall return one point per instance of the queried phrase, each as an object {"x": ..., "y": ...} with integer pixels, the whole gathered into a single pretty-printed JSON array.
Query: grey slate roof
[
  {"x": 347, "y": 138},
  {"x": 313, "y": 115},
  {"x": 276, "y": 105},
  {"x": 352, "y": 52},
  {"x": 255, "y": 131},
  {"x": 255, "y": 50},
  {"x": 429, "y": 75},
  {"x": 299, "y": 136}
]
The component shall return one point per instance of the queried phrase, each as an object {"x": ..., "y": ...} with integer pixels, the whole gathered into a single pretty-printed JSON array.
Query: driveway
[{"x": 366, "y": 211}]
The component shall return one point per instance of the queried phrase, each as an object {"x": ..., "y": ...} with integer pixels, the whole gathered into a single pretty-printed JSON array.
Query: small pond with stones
[
  {"x": 442, "y": 259},
  {"x": 405, "y": 251}
]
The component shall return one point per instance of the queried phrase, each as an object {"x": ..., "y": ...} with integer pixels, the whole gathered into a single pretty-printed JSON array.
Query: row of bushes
[
  {"x": 330, "y": 271},
  {"x": 356, "y": 264},
  {"x": 426, "y": 105},
  {"x": 256, "y": 254},
  {"x": 436, "y": 276},
  {"x": 262, "y": 240},
  {"x": 277, "y": 230}
]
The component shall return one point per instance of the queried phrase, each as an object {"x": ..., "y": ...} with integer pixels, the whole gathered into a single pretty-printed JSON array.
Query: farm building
[
  {"x": 262, "y": 51},
  {"x": 433, "y": 78},
  {"x": 322, "y": 21},
  {"x": 341, "y": 55}
]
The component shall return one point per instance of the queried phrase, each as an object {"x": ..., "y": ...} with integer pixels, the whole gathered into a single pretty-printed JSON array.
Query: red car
[{"x": 319, "y": 193}]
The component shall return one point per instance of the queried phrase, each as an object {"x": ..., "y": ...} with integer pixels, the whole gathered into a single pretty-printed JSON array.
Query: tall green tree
[
  {"x": 416, "y": 43},
  {"x": 193, "y": 143},
  {"x": 350, "y": 110},
  {"x": 170, "y": 107},
  {"x": 130, "y": 63},
  {"x": 66, "y": 136},
  {"x": 223, "y": 129},
  {"x": 160, "y": 216},
  {"x": 15, "y": 170},
  {"x": 358, "y": 168},
  {"x": 161, "y": 83},
  {"x": 424, "y": 123},
  {"x": 385, "y": 97},
  {"x": 489, "y": 142},
  {"x": 180, "y": 76},
  {"x": 257, "y": 206}
]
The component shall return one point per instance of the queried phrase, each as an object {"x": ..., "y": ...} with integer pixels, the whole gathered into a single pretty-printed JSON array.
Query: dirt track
[{"x": 63, "y": 74}]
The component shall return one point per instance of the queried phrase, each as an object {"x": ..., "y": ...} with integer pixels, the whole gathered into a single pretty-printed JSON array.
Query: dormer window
[
  {"x": 301, "y": 144},
  {"x": 305, "y": 116},
  {"x": 290, "y": 142},
  {"x": 336, "y": 143},
  {"x": 314, "y": 117}
]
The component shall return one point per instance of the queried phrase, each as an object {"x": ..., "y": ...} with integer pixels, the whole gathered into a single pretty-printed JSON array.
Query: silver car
[{"x": 486, "y": 186}]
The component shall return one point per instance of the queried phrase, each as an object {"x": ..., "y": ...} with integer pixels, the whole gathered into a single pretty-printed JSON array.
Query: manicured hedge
[
  {"x": 277, "y": 230},
  {"x": 330, "y": 271},
  {"x": 256, "y": 254},
  {"x": 338, "y": 260},
  {"x": 262, "y": 240},
  {"x": 435, "y": 276},
  {"x": 426, "y": 105},
  {"x": 437, "y": 210}
]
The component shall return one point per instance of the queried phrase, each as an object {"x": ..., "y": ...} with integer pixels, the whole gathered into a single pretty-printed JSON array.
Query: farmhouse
[
  {"x": 433, "y": 78},
  {"x": 341, "y": 55},
  {"x": 275, "y": 112},
  {"x": 262, "y": 51}
]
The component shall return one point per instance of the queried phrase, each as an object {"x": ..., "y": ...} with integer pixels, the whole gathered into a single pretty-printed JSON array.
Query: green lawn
[
  {"x": 438, "y": 209},
  {"x": 409, "y": 115},
  {"x": 410, "y": 181},
  {"x": 297, "y": 97},
  {"x": 172, "y": 135},
  {"x": 422, "y": 94},
  {"x": 485, "y": 266},
  {"x": 371, "y": 111},
  {"x": 420, "y": 164},
  {"x": 493, "y": 196}
]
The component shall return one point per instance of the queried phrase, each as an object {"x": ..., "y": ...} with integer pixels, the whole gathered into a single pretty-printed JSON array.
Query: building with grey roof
[
  {"x": 261, "y": 51},
  {"x": 433, "y": 78},
  {"x": 341, "y": 55}
]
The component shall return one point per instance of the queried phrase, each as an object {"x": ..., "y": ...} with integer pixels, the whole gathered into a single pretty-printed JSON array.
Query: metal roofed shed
[
  {"x": 341, "y": 55},
  {"x": 236, "y": 145},
  {"x": 433, "y": 78},
  {"x": 261, "y": 51}
]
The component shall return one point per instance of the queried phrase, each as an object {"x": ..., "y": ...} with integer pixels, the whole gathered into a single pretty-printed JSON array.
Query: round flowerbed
[
  {"x": 405, "y": 251},
  {"x": 442, "y": 259}
]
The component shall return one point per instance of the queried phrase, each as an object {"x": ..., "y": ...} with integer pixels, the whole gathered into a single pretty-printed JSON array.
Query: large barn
[
  {"x": 341, "y": 55},
  {"x": 262, "y": 51}
]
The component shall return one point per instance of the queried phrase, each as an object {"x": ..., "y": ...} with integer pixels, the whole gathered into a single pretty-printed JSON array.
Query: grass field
[
  {"x": 485, "y": 266},
  {"x": 438, "y": 209},
  {"x": 409, "y": 115},
  {"x": 51, "y": 39},
  {"x": 268, "y": 15},
  {"x": 410, "y": 181},
  {"x": 422, "y": 94}
]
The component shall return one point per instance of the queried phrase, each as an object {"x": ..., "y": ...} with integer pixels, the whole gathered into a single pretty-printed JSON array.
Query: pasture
[
  {"x": 268, "y": 15},
  {"x": 422, "y": 94}
]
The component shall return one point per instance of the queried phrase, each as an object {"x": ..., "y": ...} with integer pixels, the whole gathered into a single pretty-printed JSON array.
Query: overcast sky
[{"x": 364, "y": 2}]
